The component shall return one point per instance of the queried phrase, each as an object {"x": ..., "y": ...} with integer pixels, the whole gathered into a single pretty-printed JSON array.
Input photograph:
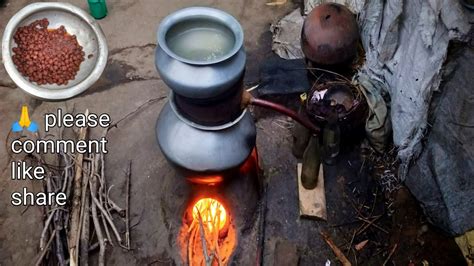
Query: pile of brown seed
[{"x": 47, "y": 56}]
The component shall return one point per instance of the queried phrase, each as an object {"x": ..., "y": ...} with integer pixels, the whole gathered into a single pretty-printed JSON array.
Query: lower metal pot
[{"x": 205, "y": 150}]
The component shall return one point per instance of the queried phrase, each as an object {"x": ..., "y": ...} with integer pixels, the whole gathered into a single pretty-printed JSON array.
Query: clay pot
[
  {"x": 330, "y": 35},
  {"x": 343, "y": 105}
]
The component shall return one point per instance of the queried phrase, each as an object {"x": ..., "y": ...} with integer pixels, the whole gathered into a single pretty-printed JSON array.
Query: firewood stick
[
  {"x": 103, "y": 202},
  {"x": 45, "y": 229},
  {"x": 100, "y": 194},
  {"x": 84, "y": 237},
  {"x": 85, "y": 234},
  {"x": 93, "y": 246},
  {"x": 207, "y": 236},
  {"x": 390, "y": 254},
  {"x": 97, "y": 168},
  {"x": 191, "y": 227},
  {"x": 340, "y": 256},
  {"x": 76, "y": 204},
  {"x": 114, "y": 206},
  {"x": 217, "y": 221},
  {"x": 95, "y": 220},
  {"x": 218, "y": 258},
  {"x": 127, "y": 206},
  {"x": 203, "y": 240},
  {"x": 367, "y": 224},
  {"x": 215, "y": 244},
  {"x": 67, "y": 177},
  {"x": 64, "y": 216},
  {"x": 192, "y": 235},
  {"x": 107, "y": 217},
  {"x": 102, "y": 217},
  {"x": 105, "y": 223},
  {"x": 108, "y": 236},
  {"x": 371, "y": 223},
  {"x": 58, "y": 225},
  {"x": 45, "y": 250},
  {"x": 103, "y": 185},
  {"x": 137, "y": 110},
  {"x": 59, "y": 248},
  {"x": 47, "y": 211}
]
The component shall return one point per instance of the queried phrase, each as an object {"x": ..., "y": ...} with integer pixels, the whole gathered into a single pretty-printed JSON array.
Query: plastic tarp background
[
  {"x": 406, "y": 44},
  {"x": 442, "y": 178}
]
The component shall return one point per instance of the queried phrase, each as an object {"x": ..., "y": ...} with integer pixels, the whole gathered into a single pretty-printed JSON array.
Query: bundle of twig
[
  {"x": 205, "y": 237},
  {"x": 85, "y": 223}
]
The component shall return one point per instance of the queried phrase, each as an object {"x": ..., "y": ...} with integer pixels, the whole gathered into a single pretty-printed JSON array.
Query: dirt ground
[{"x": 130, "y": 79}]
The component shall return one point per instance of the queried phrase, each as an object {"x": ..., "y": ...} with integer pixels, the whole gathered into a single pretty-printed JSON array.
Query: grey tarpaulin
[
  {"x": 406, "y": 44},
  {"x": 286, "y": 36},
  {"x": 442, "y": 178}
]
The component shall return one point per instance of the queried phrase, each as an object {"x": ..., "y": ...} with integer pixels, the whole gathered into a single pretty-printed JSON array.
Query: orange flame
[
  {"x": 213, "y": 214},
  {"x": 206, "y": 180},
  {"x": 209, "y": 237}
]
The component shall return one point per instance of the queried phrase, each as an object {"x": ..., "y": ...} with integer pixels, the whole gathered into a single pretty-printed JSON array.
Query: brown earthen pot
[{"x": 330, "y": 35}]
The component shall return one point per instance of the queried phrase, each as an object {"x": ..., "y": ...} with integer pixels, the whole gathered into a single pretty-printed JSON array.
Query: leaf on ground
[
  {"x": 361, "y": 245},
  {"x": 276, "y": 3}
]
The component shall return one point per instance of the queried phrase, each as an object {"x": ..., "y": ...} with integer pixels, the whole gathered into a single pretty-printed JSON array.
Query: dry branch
[
  {"x": 45, "y": 250},
  {"x": 95, "y": 219},
  {"x": 339, "y": 254},
  {"x": 127, "y": 206},
  {"x": 67, "y": 230},
  {"x": 392, "y": 251},
  {"x": 84, "y": 237},
  {"x": 207, "y": 259},
  {"x": 76, "y": 204}
]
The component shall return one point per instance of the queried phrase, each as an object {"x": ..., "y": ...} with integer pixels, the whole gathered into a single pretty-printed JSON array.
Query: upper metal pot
[{"x": 200, "y": 67}]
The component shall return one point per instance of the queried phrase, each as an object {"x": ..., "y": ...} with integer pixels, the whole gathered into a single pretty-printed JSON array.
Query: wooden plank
[{"x": 312, "y": 202}]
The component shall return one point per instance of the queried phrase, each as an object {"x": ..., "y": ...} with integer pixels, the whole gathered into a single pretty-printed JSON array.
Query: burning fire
[
  {"x": 208, "y": 238},
  {"x": 208, "y": 235},
  {"x": 211, "y": 213},
  {"x": 206, "y": 180}
]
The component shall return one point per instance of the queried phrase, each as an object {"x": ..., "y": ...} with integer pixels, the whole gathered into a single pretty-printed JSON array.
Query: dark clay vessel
[{"x": 330, "y": 35}]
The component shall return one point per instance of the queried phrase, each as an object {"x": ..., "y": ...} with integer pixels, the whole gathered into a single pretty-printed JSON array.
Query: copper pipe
[{"x": 286, "y": 111}]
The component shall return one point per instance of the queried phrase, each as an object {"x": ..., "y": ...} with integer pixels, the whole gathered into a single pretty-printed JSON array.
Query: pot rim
[{"x": 211, "y": 14}]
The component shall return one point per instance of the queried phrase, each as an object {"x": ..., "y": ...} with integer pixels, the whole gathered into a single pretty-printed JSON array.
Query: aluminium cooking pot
[{"x": 189, "y": 69}]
